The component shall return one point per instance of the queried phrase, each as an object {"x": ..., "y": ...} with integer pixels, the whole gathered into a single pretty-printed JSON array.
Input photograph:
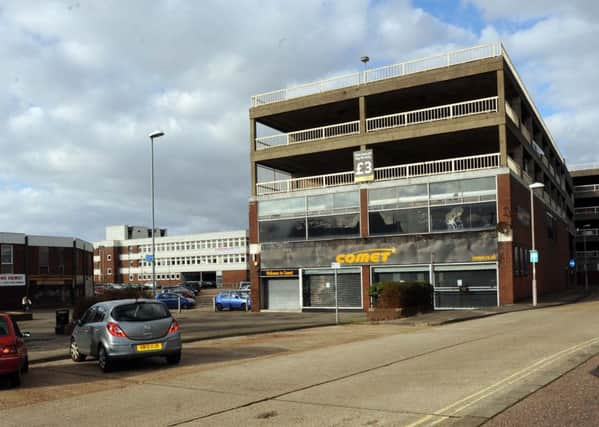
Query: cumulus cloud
[{"x": 85, "y": 82}]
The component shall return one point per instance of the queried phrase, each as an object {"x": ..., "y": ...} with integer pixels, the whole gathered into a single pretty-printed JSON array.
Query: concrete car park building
[
  {"x": 215, "y": 257},
  {"x": 415, "y": 171},
  {"x": 51, "y": 271},
  {"x": 586, "y": 216}
]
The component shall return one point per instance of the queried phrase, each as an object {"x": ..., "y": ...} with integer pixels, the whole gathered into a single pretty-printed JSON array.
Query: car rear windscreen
[
  {"x": 3, "y": 327},
  {"x": 140, "y": 312}
]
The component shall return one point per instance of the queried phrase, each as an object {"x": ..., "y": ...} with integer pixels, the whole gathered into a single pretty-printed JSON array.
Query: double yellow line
[{"x": 470, "y": 400}]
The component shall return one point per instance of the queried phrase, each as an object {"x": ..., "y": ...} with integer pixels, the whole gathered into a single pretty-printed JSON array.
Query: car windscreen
[
  {"x": 140, "y": 312},
  {"x": 3, "y": 327}
]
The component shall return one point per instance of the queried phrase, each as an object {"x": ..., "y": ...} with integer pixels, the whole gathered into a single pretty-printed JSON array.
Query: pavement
[{"x": 201, "y": 324}]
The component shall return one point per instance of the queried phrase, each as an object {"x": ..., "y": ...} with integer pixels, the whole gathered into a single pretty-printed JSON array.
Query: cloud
[{"x": 85, "y": 82}]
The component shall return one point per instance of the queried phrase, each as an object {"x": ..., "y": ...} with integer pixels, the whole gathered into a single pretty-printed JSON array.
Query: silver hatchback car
[{"x": 126, "y": 329}]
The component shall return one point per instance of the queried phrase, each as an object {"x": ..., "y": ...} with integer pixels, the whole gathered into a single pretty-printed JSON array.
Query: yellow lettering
[
  {"x": 340, "y": 258},
  {"x": 362, "y": 257},
  {"x": 374, "y": 257},
  {"x": 350, "y": 258},
  {"x": 385, "y": 256}
]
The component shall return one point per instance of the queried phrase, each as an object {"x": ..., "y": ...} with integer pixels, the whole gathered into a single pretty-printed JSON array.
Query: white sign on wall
[{"x": 12, "y": 280}]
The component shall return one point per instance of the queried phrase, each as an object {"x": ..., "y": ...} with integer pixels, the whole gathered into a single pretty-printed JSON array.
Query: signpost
[
  {"x": 572, "y": 263},
  {"x": 363, "y": 166},
  {"x": 149, "y": 258},
  {"x": 335, "y": 266},
  {"x": 534, "y": 256}
]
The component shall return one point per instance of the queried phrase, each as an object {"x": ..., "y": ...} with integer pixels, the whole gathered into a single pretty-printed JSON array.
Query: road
[{"x": 458, "y": 374}]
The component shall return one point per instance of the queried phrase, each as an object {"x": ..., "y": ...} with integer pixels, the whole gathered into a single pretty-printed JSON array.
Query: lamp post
[
  {"x": 532, "y": 187},
  {"x": 152, "y": 136}
]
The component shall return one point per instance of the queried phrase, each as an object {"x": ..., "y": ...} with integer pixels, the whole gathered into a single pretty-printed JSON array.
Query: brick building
[
  {"x": 215, "y": 257},
  {"x": 52, "y": 271},
  {"x": 415, "y": 171}
]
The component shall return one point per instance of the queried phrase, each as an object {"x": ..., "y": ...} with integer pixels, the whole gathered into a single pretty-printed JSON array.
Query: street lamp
[
  {"x": 532, "y": 187},
  {"x": 152, "y": 136}
]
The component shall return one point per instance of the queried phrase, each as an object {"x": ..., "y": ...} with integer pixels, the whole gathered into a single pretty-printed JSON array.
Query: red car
[{"x": 13, "y": 352}]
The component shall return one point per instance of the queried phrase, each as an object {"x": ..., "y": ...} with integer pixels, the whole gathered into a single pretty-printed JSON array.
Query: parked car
[
  {"x": 208, "y": 284},
  {"x": 126, "y": 329},
  {"x": 171, "y": 300},
  {"x": 181, "y": 291},
  {"x": 195, "y": 287},
  {"x": 14, "y": 360},
  {"x": 232, "y": 300},
  {"x": 245, "y": 286}
]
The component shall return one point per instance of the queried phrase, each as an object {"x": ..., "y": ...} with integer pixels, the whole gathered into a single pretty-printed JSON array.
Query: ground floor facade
[{"x": 474, "y": 250}]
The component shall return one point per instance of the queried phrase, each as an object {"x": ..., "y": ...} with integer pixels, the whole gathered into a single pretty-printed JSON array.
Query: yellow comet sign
[{"x": 366, "y": 256}]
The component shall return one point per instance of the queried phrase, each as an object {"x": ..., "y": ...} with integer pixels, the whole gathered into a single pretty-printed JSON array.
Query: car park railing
[
  {"x": 396, "y": 70},
  {"x": 425, "y": 115},
  {"x": 586, "y": 188},
  {"x": 324, "y": 132},
  {"x": 436, "y": 167}
]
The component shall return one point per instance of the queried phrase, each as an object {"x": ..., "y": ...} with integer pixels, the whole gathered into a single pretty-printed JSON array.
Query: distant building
[
  {"x": 52, "y": 271},
  {"x": 125, "y": 257},
  {"x": 411, "y": 172},
  {"x": 586, "y": 217}
]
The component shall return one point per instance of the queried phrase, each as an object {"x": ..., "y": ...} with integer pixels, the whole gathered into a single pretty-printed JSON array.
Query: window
[
  {"x": 109, "y": 271},
  {"x": 283, "y": 230},
  {"x": 6, "y": 255},
  {"x": 140, "y": 312},
  {"x": 108, "y": 257},
  {"x": 43, "y": 259},
  {"x": 333, "y": 226},
  {"x": 399, "y": 221},
  {"x": 466, "y": 216}
]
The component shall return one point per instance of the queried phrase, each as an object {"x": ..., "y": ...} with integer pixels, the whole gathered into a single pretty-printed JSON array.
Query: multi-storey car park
[
  {"x": 456, "y": 142},
  {"x": 586, "y": 217},
  {"x": 124, "y": 257}
]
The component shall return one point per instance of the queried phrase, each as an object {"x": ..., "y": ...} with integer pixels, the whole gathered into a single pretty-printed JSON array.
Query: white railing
[
  {"x": 305, "y": 183},
  {"x": 332, "y": 131},
  {"x": 594, "y": 210},
  {"x": 583, "y": 166},
  {"x": 512, "y": 113},
  {"x": 587, "y": 254},
  {"x": 587, "y": 231},
  {"x": 439, "y": 61},
  {"x": 437, "y": 167},
  {"x": 586, "y": 188},
  {"x": 442, "y": 112}
]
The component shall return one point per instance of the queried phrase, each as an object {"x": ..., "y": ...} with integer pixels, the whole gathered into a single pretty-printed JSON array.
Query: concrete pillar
[
  {"x": 254, "y": 261},
  {"x": 362, "y": 105},
  {"x": 252, "y": 150},
  {"x": 502, "y": 134}
]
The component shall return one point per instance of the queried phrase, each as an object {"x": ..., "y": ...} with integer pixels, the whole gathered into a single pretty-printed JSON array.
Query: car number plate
[{"x": 149, "y": 347}]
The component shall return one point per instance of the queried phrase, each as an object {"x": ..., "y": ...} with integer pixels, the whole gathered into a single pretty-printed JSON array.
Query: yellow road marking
[{"x": 494, "y": 388}]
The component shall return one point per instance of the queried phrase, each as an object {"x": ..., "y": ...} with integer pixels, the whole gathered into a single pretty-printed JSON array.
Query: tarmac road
[{"x": 455, "y": 374}]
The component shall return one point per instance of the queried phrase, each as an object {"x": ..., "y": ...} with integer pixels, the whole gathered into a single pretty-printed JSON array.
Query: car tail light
[
  {"x": 174, "y": 327},
  {"x": 8, "y": 350},
  {"x": 115, "y": 330}
]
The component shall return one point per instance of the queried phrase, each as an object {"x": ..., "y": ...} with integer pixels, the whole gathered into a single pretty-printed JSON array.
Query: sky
[{"x": 85, "y": 82}]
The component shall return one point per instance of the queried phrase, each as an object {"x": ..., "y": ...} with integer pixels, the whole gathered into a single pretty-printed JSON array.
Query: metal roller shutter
[
  {"x": 283, "y": 294},
  {"x": 319, "y": 291}
]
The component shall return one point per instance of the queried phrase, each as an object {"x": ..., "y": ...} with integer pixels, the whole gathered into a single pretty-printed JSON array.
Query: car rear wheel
[
  {"x": 26, "y": 365},
  {"x": 104, "y": 360},
  {"x": 219, "y": 307},
  {"x": 174, "y": 359},
  {"x": 76, "y": 355}
]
